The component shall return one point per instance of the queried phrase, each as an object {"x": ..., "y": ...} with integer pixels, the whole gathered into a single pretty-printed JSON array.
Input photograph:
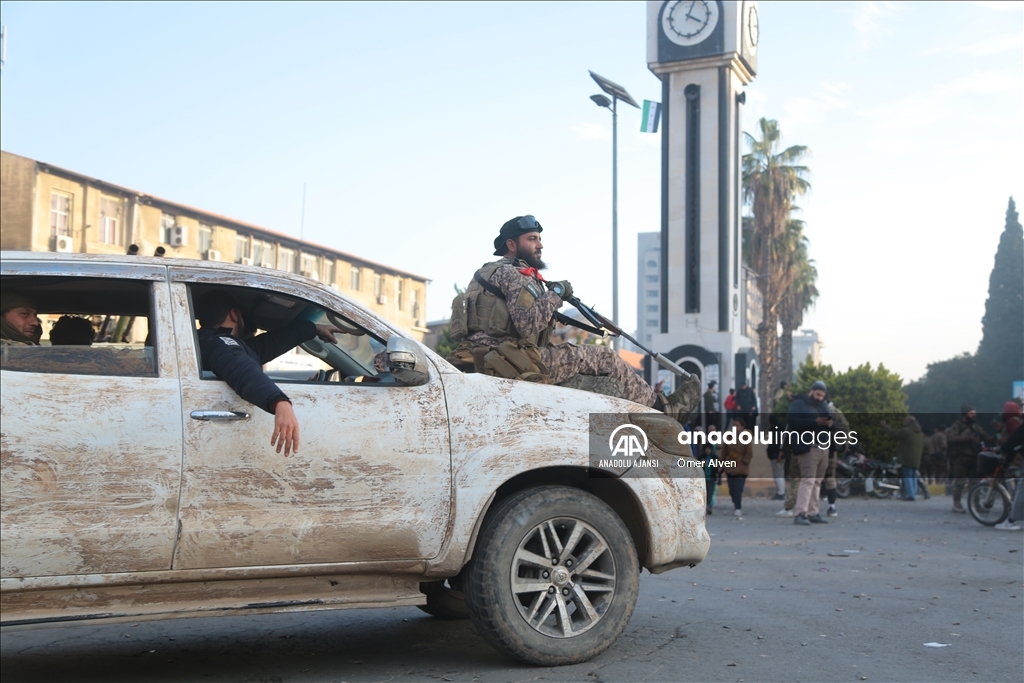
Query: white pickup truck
[{"x": 136, "y": 485}]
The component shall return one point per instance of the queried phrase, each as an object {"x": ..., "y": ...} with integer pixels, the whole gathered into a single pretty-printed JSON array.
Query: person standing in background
[
  {"x": 740, "y": 454},
  {"x": 908, "y": 451},
  {"x": 777, "y": 460}
]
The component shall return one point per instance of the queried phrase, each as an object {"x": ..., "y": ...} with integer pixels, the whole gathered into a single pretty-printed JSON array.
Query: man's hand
[
  {"x": 824, "y": 421},
  {"x": 562, "y": 288},
  {"x": 326, "y": 333},
  {"x": 286, "y": 428}
]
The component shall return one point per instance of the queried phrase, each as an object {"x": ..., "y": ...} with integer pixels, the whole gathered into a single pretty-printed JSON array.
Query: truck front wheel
[{"x": 554, "y": 578}]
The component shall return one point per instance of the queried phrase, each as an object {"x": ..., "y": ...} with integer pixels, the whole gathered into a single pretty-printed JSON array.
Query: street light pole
[
  {"x": 618, "y": 93},
  {"x": 615, "y": 218}
]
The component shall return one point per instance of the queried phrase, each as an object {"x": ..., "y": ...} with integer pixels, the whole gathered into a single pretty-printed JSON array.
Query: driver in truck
[{"x": 238, "y": 360}]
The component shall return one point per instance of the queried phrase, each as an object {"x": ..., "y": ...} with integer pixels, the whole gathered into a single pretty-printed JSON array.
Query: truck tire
[
  {"x": 554, "y": 577},
  {"x": 443, "y": 601}
]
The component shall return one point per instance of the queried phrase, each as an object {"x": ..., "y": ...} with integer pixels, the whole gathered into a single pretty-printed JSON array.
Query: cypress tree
[
  {"x": 984, "y": 379},
  {"x": 1002, "y": 342}
]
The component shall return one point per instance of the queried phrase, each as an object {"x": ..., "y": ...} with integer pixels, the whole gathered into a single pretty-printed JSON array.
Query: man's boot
[{"x": 684, "y": 399}]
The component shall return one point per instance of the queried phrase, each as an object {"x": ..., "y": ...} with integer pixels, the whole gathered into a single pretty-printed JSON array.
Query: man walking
[
  {"x": 809, "y": 417},
  {"x": 964, "y": 443}
]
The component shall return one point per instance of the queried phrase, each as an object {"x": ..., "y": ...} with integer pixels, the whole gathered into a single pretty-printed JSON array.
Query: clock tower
[{"x": 704, "y": 52}]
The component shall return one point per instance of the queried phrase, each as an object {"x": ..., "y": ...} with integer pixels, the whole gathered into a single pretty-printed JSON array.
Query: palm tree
[
  {"x": 798, "y": 297},
  {"x": 772, "y": 180}
]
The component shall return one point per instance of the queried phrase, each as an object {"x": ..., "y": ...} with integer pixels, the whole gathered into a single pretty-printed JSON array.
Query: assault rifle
[{"x": 602, "y": 326}]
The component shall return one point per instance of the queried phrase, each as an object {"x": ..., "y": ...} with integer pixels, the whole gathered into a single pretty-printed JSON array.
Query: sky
[{"x": 419, "y": 128}]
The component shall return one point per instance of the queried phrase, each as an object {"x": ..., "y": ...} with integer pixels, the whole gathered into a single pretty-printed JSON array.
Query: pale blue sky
[{"x": 420, "y": 128}]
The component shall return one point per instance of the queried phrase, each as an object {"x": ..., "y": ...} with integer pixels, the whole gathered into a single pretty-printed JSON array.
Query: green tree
[
  {"x": 445, "y": 344},
  {"x": 772, "y": 179},
  {"x": 866, "y": 395},
  {"x": 983, "y": 380},
  {"x": 798, "y": 297}
]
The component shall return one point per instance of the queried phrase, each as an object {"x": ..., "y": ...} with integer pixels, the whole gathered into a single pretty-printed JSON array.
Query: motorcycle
[{"x": 856, "y": 471}]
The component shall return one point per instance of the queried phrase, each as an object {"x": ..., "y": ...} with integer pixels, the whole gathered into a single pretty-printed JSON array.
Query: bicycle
[{"x": 990, "y": 499}]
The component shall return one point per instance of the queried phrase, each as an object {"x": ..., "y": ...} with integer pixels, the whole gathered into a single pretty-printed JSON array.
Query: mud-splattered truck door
[{"x": 372, "y": 481}]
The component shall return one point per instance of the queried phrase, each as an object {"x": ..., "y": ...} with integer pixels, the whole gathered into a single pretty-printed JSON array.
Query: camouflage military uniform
[
  {"x": 964, "y": 443},
  {"x": 792, "y": 478},
  {"x": 531, "y": 309}
]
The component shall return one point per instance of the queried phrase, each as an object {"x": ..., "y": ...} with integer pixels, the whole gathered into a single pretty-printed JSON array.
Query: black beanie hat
[{"x": 520, "y": 225}]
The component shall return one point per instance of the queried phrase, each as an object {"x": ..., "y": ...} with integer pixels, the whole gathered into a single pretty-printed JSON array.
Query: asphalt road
[{"x": 772, "y": 602}]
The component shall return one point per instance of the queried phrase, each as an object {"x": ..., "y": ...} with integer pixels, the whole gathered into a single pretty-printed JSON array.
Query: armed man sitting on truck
[{"x": 507, "y": 314}]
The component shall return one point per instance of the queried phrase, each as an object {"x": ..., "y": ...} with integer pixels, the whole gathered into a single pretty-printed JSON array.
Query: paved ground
[{"x": 773, "y": 602}]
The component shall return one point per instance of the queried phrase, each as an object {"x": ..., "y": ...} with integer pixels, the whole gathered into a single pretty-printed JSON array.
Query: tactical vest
[{"x": 482, "y": 308}]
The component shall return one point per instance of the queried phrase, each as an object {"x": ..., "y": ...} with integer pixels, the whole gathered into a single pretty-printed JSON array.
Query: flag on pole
[{"x": 651, "y": 117}]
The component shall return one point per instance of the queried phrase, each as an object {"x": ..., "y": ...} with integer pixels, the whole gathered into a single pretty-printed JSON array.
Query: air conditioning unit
[
  {"x": 246, "y": 261},
  {"x": 64, "y": 243},
  {"x": 311, "y": 275},
  {"x": 382, "y": 299},
  {"x": 213, "y": 255},
  {"x": 179, "y": 236}
]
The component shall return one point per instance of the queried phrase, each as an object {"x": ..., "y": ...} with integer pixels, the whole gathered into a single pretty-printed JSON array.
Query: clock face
[
  {"x": 689, "y": 22},
  {"x": 752, "y": 27}
]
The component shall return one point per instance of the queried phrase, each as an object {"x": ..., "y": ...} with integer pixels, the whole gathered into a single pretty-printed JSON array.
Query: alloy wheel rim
[{"x": 563, "y": 577}]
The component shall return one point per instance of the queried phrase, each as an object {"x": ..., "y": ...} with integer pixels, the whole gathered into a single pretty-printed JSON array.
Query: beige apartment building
[{"x": 46, "y": 208}]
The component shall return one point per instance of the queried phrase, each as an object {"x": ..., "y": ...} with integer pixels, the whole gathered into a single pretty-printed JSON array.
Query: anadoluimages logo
[{"x": 628, "y": 444}]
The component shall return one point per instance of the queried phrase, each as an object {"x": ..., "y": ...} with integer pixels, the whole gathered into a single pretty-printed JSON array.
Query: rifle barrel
[{"x": 599, "y": 320}]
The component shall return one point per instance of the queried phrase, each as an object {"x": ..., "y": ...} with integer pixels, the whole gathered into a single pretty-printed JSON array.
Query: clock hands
[{"x": 690, "y": 10}]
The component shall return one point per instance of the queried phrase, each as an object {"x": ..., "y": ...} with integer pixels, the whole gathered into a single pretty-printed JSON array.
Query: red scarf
[{"x": 532, "y": 272}]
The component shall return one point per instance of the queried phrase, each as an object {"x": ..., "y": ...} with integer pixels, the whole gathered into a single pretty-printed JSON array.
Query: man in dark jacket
[
  {"x": 238, "y": 360},
  {"x": 964, "y": 439},
  {"x": 746, "y": 401},
  {"x": 809, "y": 417},
  {"x": 908, "y": 452}
]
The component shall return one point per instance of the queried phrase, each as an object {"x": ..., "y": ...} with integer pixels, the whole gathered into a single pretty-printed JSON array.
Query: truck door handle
[{"x": 219, "y": 415}]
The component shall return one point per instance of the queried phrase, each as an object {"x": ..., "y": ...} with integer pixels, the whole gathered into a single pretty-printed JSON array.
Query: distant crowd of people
[{"x": 942, "y": 456}]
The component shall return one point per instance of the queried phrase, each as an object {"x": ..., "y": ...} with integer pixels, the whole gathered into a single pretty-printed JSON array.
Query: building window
[
  {"x": 110, "y": 220},
  {"x": 309, "y": 266},
  {"x": 354, "y": 280},
  {"x": 241, "y": 249},
  {"x": 414, "y": 299},
  {"x": 398, "y": 293},
  {"x": 287, "y": 260},
  {"x": 651, "y": 263},
  {"x": 652, "y": 278},
  {"x": 205, "y": 238},
  {"x": 652, "y": 308},
  {"x": 166, "y": 227},
  {"x": 652, "y": 323},
  {"x": 329, "y": 271},
  {"x": 60, "y": 214},
  {"x": 652, "y": 292},
  {"x": 263, "y": 254},
  {"x": 378, "y": 285}
]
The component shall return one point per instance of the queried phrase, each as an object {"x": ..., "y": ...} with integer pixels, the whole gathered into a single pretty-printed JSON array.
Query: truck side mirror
[{"x": 407, "y": 362}]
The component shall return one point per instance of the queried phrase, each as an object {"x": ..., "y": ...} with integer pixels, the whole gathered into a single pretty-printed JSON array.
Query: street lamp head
[
  {"x": 601, "y": 100},
  {"x": 613, "y": 89}
]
